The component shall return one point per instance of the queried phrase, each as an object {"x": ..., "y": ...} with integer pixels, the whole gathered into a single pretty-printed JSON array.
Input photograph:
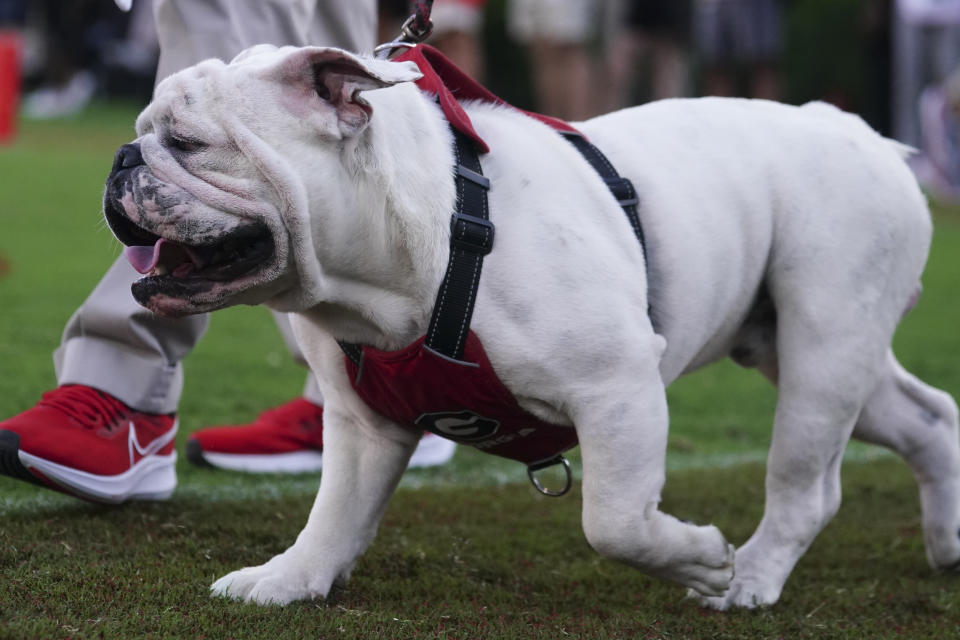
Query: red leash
[{"x": 421, "y": 19}]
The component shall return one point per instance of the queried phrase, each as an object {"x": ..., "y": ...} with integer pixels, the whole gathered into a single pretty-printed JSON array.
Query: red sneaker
[
  {"x": 88, "y": 444},
  {"x": 286, "y": 439}
]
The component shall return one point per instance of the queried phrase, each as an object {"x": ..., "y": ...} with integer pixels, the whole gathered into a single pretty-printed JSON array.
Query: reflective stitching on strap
[{"x": 450, "y": 321}]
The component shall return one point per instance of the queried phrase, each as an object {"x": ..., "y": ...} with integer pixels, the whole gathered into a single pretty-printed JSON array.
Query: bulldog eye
[{"x": 185, "y": 145}]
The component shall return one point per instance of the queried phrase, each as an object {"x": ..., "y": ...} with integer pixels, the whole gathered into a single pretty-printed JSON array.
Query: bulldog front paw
[
  {"x": 698, "y": 557},
  {"x": 281, "y": 581},
  {"x": 743, "y": 594},
  {"x": 712, "y": 572}
]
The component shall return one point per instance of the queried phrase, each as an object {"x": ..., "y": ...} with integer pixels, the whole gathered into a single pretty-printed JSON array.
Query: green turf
[
  {"x": 467, "y": 550},
  {"x": 450, "y": 562}
]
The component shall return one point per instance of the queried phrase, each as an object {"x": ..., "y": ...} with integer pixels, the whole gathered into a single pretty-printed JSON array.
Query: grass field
[{"x": 466, "y": 551}]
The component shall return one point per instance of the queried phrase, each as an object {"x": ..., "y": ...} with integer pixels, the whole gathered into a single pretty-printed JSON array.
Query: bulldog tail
[{"x": 905, "y": 151}]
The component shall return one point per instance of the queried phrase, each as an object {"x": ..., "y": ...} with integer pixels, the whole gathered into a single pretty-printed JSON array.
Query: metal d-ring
[{"x": 538, "y": 466}]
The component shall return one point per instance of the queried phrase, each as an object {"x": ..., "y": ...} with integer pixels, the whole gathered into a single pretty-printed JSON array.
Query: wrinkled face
[{"x": 207, "y": 199}]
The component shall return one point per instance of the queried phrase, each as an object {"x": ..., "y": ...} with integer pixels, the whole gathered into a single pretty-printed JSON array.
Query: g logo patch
[{"x": 465, "y": 426}]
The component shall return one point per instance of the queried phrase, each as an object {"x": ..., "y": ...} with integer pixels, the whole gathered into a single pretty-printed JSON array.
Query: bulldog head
[{"x": 210, "y": 199}]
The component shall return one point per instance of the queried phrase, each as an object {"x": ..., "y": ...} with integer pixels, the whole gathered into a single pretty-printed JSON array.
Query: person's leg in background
[
  {"x": 640, "y": 30},
  {"x": 556, "y": 32},
  {"x": 456, "y": 32},
  {"x": 736, "y": 37},
  {"x": 761, "y": 39},
  {"x": 712, "y": 27},
  {"x": 68, "y": 78}
]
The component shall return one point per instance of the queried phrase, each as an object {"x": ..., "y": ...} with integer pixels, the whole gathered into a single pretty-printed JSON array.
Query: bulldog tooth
[{"x": 159, "y": 270}]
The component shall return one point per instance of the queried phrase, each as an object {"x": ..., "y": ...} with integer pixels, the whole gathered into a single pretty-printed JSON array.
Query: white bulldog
[{"x": 790, "y": 238}]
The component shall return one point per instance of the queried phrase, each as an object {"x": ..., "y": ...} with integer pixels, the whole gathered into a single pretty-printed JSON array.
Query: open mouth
[{"x": 230, "y": 257}]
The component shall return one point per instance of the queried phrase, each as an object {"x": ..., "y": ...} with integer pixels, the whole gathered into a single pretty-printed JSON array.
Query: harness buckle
[
  {"x": 622, "y": 189},
  {"x": 471, "y": 233},
  {"x": 538, "y": 466}
]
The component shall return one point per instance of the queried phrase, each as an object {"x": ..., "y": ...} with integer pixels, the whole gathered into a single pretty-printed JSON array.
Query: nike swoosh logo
[{"x": 133, "y": 444}]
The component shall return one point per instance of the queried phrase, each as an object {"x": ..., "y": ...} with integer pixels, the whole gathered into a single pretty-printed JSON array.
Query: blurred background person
[
  {"x": 556, "y": 34},
  {"x": 649, "y": 40},
  {"x": 80, "y": 48},
  {"x": 739, "y": 43},
  {"x": 938, "y": 167},
  {"x": 926, "y": 49},
  {"x": 457, "y": 26}
]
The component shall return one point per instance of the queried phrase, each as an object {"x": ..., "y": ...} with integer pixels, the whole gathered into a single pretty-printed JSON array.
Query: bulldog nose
[{"x": 128, "y": 156}]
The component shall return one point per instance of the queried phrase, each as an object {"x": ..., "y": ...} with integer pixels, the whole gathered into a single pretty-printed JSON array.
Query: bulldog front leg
[
  {"x": 361, "y": 468},
  {"x": 623, "y": 440}
]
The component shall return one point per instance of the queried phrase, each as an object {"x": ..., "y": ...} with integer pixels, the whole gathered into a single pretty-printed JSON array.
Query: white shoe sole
[
  {"x": 432, "y": 451},
  {"x": 295, "y": 462},
  {"x": 152, "y": 478}
]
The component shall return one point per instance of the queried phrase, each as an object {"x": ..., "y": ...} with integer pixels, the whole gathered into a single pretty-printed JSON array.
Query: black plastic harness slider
[
  {"x": 622, "y": 190},
  {"x": 471, "y": 233},
  {"x": 473, "y": 176}
]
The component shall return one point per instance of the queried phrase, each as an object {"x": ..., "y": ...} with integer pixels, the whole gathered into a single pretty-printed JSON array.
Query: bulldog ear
[{"x": 338, "y": 77}]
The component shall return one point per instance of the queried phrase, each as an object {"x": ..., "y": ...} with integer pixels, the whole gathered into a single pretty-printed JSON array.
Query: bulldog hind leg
[
  {"x": 825, "y": 368},
  {"x": 919, "y": 423}
]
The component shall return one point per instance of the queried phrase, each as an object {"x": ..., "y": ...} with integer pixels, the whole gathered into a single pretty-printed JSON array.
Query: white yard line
[{"x": 491, "y": 472}]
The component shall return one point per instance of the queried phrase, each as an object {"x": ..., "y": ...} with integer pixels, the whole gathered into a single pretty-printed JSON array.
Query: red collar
[{"x": 442, "y": 77}]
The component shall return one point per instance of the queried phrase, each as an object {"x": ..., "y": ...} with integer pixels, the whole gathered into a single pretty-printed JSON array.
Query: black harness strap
[
  {"x": 471, "y": 238},
  {"x": 621, "y": 188}
]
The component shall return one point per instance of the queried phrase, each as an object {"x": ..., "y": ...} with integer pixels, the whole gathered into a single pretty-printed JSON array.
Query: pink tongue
[
  {"x": 175, "y": 257},
  {"x": 144, "y": 259}
]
